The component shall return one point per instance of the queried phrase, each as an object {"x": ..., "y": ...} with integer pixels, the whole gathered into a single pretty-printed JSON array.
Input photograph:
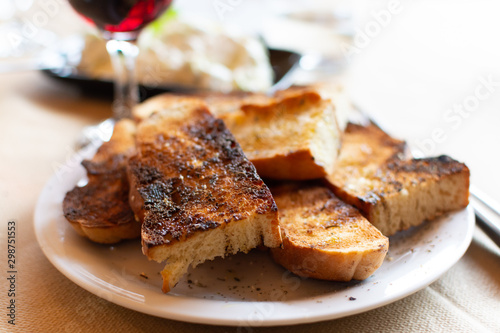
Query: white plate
[{"x": 241, "y": 290}]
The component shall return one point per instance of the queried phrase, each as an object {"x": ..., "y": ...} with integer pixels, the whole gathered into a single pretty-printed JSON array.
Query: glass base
[{"x": 96, "y": 134}]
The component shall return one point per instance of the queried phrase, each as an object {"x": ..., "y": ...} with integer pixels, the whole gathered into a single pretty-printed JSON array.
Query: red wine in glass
[
  {"x": 120, "y": 22},
  {"x": 120, "y": 15}
]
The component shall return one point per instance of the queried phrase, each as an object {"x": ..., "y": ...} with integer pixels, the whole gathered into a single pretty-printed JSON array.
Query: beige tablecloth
[{"x": 405, "y": 77}]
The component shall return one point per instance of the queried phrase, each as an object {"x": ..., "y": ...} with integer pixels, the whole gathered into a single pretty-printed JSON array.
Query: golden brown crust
[
  {"x": 192, "y": 176},
  {"x": 323, "y": 237},
  {"x": 100, "y": 210},
  {"x": 374, "y": 174}
]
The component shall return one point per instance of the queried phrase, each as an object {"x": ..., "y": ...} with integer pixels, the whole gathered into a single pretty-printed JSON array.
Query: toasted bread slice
[
  {"x": 100, "y": 209},
  {"x": 292, "y": 135},
  {"x": 331, "y": 91},
  {"x": 393, "y": 192},
  {"x": 323, "y": 237},
  {"x": 295, "y": 137},
  {"x": 196, "y": 193}
]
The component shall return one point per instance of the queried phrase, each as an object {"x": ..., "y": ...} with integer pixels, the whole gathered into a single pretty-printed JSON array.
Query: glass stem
[{"x": 123, "y": 55}]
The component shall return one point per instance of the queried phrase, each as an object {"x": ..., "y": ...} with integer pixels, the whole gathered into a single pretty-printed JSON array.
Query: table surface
[{"x": 431, "y": 76}]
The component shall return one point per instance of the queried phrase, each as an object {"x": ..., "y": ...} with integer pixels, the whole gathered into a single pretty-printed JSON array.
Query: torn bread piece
[
  {"x": 100, "y": 210},
  {"x": 196, "y": 193},
  {"x": 323, "y": 237},
  {"x": 394, "y": 192}
]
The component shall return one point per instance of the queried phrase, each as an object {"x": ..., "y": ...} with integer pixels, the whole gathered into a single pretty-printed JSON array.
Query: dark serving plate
[{"x": 282, "y": 62}]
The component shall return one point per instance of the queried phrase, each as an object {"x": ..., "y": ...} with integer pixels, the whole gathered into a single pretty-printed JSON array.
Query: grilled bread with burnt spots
[
  {"x": 100, "y": 210},
  {"x": 323, "y": 237},
  {"x": 394, "y": 192},
  {"x": 196, "y": 193}
]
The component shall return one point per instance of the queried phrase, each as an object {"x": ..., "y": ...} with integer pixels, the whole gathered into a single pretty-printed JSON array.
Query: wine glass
[{"x": 120, "y": 22}]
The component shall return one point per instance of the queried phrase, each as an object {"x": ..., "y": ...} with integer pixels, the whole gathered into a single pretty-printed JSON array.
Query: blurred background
[{"x": 426, "y": 71}]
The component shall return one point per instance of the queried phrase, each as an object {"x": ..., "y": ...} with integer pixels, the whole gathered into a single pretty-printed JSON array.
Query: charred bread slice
[
  {"x": 394, "y": 192},
  {"x": 323, "y": 237},
  {"x": 196, "y": 193},
  {"x": 100, "y": 210}
]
